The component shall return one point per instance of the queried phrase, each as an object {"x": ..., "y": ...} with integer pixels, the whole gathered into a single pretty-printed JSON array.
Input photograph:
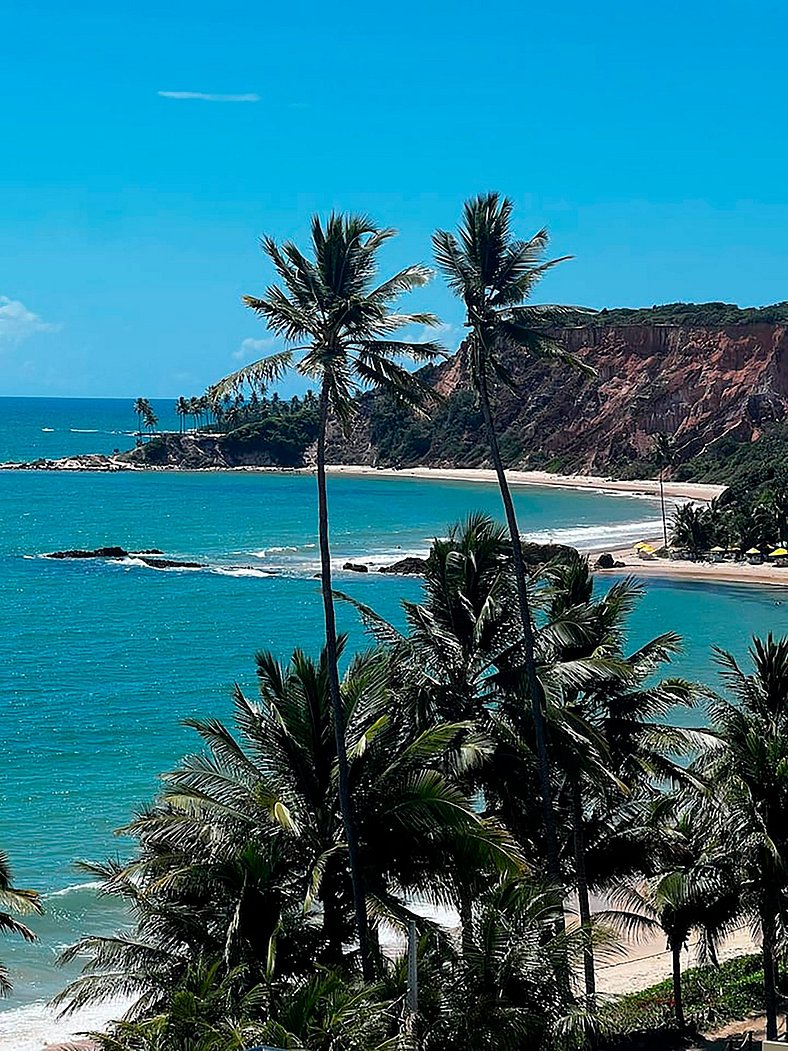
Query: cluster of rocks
[
  {"x": 606, "y": 561},
  {"x": 86, "y": 462},
  {"x": 120, "y": 552}
]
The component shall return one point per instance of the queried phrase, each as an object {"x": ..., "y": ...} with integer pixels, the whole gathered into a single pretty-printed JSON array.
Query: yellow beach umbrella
[
  {"x": 779, "y": 552},
  {"x": 718, "y": 550},
  {"x": 645, "y": 547},
  {"x": 753, "y": 551}
]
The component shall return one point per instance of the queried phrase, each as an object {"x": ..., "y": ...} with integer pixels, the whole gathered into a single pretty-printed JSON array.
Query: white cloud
[
  {"x": 17, "y": 323},
  {"x": 252, "y": 349},
  {"x": 203, "y": 96}
]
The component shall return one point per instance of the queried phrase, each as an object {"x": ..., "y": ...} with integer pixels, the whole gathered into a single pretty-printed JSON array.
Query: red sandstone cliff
[{"x": 696, "y": 383}]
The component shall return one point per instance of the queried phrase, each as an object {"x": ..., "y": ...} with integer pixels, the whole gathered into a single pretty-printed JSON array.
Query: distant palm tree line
[{"x": 507, "y": 745}]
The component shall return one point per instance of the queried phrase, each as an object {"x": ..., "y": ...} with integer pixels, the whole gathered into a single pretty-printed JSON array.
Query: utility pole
[{"x": 412, "y": 999}]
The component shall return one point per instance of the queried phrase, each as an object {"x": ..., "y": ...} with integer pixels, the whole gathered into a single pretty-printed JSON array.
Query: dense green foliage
[
  {"x": 450, "y": 435},
  {"x": 14, "y": 902},
  {"x": 694, "y": 315},
  {"x": 738, "y": 520},
  {"x": 712, "y": 997},
  {"x": 282, "y": 431},
  {"x": 746, "y": 467}
]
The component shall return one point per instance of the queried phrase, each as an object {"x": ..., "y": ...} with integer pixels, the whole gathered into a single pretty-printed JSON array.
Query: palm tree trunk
[
  {"x": 662, "y": 502},
  {"x": 534, "y": 686},
  {"x": 345, "y": 801},
  {"x": 584, "y": 906},
  {"x": 675, "y": 946},
  {"x": 466, "y": 921},
  {"x": 769, "y": 982}
]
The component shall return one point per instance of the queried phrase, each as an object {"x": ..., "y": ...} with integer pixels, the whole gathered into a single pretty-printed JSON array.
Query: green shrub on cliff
[{"x": 694, "y": 315}]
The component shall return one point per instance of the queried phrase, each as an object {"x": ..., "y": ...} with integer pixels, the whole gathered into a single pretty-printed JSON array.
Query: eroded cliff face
[{"x": 698, "y": 384}]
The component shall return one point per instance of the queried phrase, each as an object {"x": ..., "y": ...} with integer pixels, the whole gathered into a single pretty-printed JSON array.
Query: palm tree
[
  {"x": 493, "y": 274},
  {"x": 697, "y": 890},
  {"x": 150, "y": 419},
  {"x": 665, "y": 453},
  {"x": 750, "y": 764},
  {"x": 13, "y": 900},
  {"x": 243, "y": 858},
  {"x": 342, "y": 323},
  {"x": 507, "y": 992},
  {"x": 610, "y": 738},
  {"x": 182, "y": 411},
  {"x": 140, "y": 407},
  {"x": 692, "y": 528}
]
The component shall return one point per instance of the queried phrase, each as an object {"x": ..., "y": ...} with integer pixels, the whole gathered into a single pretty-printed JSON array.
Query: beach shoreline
[
  {"x": 694, "y": 491},
  {"x": 697, "y": 572}
]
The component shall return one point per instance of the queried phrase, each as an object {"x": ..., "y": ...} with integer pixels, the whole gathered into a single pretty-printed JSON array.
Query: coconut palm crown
[
  {"x": 340, "y": 324},
  {"x": 493, "y": 273},
  {"x": 338, "y": 320}
]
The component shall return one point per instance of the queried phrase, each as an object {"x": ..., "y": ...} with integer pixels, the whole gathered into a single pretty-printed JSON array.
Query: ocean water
[{"x": 101, "y": 661}]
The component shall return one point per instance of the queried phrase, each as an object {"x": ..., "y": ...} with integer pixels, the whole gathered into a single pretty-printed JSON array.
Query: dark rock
[
  {"x": 410, "y": 566},
  {"x": 120, "y": 552},
  {"x": 541, "y": 554},
  {"x": 170, "y": 563},
  {"x": 605, "y": 561},
  {"x": 354, "y": 567},
  {"x": 99, "y": 552}
]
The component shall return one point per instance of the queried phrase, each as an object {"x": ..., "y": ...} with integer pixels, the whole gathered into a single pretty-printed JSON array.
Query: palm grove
[{"x": 505, "y": 755}]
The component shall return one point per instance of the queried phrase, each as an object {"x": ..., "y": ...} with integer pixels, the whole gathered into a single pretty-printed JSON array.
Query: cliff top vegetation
[{"x": 696, "y": 315}]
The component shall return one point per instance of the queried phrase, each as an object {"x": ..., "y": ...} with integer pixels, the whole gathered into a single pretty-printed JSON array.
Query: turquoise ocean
[{"x": 100, "y": 662}]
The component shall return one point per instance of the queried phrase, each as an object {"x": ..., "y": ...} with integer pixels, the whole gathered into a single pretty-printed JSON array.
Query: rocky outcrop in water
[
  {"x": 410, "y": 566},
  {"x": 119, "y": 553}
]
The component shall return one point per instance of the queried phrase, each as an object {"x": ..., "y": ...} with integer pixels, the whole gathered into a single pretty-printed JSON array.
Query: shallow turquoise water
[{"x": 100, "y": 662}]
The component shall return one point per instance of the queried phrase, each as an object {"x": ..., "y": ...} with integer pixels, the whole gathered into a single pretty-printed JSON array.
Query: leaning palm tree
[
  {"x": 13, "y": 900},
  {"x": 665, "y": 453},
  {"x": 493, "y": 273},
  {"x": 340, "y": 325}
]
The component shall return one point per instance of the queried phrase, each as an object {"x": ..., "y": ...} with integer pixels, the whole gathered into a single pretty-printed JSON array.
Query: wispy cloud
[
  {"x": 252, "y": 349},
  {"x": 203, "y": 96},
  {"x": 17, "y": 323}
]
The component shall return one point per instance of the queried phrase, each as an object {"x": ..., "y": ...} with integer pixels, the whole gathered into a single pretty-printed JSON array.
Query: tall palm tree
[
  {"x": 493, "y": 273},
  {"x": 20, "y": 902},
  {"x": 750, "y": 764},
  {"x": 341, "y": 325},
  {"x": 182, "y": 411}
]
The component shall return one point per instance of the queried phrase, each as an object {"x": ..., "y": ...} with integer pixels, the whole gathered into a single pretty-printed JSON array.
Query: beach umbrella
[
  {"x": 753, "y": 551},
  {"x": 779, "y": 552},
  {"x": 718, "y": 550}
]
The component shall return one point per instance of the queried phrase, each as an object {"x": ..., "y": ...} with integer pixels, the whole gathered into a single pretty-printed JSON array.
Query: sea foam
[{"x": 32, "y": 1027}]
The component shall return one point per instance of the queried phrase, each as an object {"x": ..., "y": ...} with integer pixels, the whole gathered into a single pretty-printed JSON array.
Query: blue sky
[{"x": 649, "y": 137}]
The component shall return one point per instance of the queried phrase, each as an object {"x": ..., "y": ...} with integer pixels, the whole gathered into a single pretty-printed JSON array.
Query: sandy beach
[
  {"x": 634, "y": 487},
  {"x": 708, "y": 572},
  {"x": 644, "y": 963}
]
